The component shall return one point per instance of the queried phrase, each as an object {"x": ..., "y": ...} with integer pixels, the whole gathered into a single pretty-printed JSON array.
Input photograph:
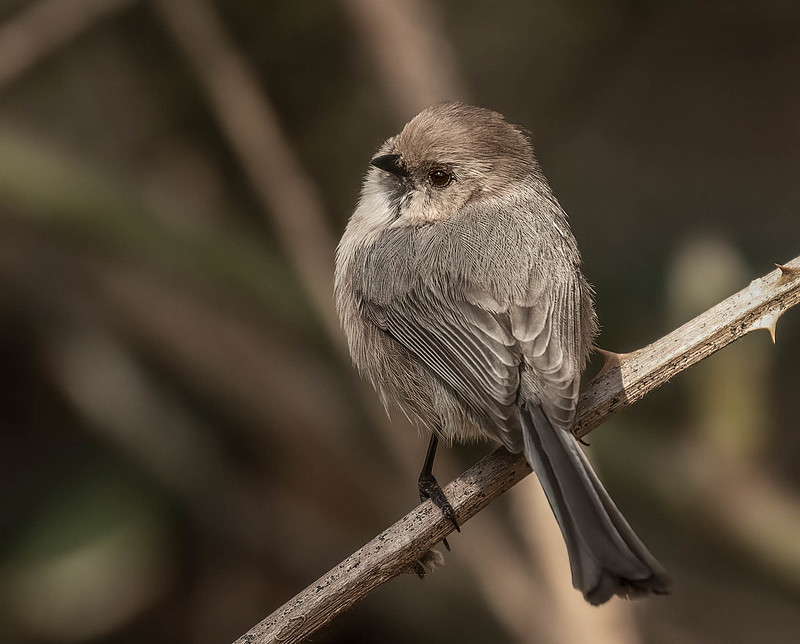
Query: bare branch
[
  {"x": 629, "y": 378},
  {"x": 44, "y": 27}
]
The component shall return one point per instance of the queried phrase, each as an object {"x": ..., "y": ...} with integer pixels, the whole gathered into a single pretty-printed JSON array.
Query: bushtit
[{"x": 459, "y": 288}]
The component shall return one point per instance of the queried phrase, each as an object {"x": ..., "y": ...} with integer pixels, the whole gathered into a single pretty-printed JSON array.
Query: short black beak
[{"x": 390, "y": 163}]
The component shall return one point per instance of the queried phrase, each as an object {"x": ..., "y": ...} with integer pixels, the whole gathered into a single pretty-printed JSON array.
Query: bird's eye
[{"x": 440, "y": 177}]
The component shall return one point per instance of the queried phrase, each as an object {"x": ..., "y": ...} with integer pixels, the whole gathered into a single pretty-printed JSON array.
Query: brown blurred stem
[
  {"x": 43, "y": 27},
  {"x": 247, "y": 118},
  {"x": 626, "y": 379},
  {"x": 411, "y": 56}
]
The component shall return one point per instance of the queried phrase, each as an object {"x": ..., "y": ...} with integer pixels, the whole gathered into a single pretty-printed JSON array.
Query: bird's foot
[
  {"x": 429, "y": 488},
  {"x": 429, "y": 562}
]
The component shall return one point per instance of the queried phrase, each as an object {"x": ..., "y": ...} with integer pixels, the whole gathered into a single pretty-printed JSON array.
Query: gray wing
[
  {"x": 483, "y": 352},
  {"x": 548, "y": 329}
]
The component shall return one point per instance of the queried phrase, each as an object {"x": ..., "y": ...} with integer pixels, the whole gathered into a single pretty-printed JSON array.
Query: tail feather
[{"x": 606, "y": 556}]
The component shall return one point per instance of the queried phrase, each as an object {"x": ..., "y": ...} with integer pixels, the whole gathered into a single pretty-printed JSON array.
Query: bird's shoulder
[{"x": 493, "y": 247}]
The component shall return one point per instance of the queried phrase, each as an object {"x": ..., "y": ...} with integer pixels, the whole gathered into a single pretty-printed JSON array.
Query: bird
[{"x": 460, "y": 290}]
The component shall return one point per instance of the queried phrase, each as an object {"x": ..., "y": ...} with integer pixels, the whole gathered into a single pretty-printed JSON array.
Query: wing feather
[{"x": 479, "y": 352}]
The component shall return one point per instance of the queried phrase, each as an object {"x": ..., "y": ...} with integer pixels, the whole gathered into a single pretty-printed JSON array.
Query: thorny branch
[{"x": 624, "y": 380}]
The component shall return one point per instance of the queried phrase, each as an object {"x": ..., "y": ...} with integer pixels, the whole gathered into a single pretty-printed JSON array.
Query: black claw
[{"x": 429, "y": 488}]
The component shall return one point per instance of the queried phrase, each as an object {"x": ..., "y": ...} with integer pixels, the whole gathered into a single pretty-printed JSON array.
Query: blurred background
[{"x": 183, "y": 443}]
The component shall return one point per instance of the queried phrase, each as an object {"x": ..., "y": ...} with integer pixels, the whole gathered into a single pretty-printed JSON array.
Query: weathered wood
[{"x": 625, "y": 379}]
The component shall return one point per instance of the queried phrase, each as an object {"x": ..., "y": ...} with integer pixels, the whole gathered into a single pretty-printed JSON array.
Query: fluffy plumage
[{"x": 465, "y": 305}]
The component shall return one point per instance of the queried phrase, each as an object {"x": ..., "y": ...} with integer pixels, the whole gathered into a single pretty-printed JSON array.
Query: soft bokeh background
[{"x": 183, "y": 443}]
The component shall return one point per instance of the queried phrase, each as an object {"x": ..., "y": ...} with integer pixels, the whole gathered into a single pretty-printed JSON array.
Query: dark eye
[{"x": 440, "y": 178}]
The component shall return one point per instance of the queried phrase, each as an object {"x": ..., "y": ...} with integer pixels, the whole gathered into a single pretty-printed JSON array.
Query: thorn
[
  {"x": 768, "y": 321},
  {"x": 610, "y": 360},
  {"x": 787, "y": 271}
]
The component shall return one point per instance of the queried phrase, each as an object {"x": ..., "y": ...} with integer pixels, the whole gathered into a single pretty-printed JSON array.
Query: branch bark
[{"x": 625, "y": 379}]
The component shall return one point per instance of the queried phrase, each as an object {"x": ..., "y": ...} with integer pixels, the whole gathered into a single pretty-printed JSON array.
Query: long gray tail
[{"x": 605, "y": 555}]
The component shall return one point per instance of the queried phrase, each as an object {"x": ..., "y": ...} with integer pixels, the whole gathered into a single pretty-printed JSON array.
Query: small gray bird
[{"x": 459, "y": 288}]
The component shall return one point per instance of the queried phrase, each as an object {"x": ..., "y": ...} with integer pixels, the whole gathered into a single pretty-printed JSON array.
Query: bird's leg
[{"x": 429, "y": 487}]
